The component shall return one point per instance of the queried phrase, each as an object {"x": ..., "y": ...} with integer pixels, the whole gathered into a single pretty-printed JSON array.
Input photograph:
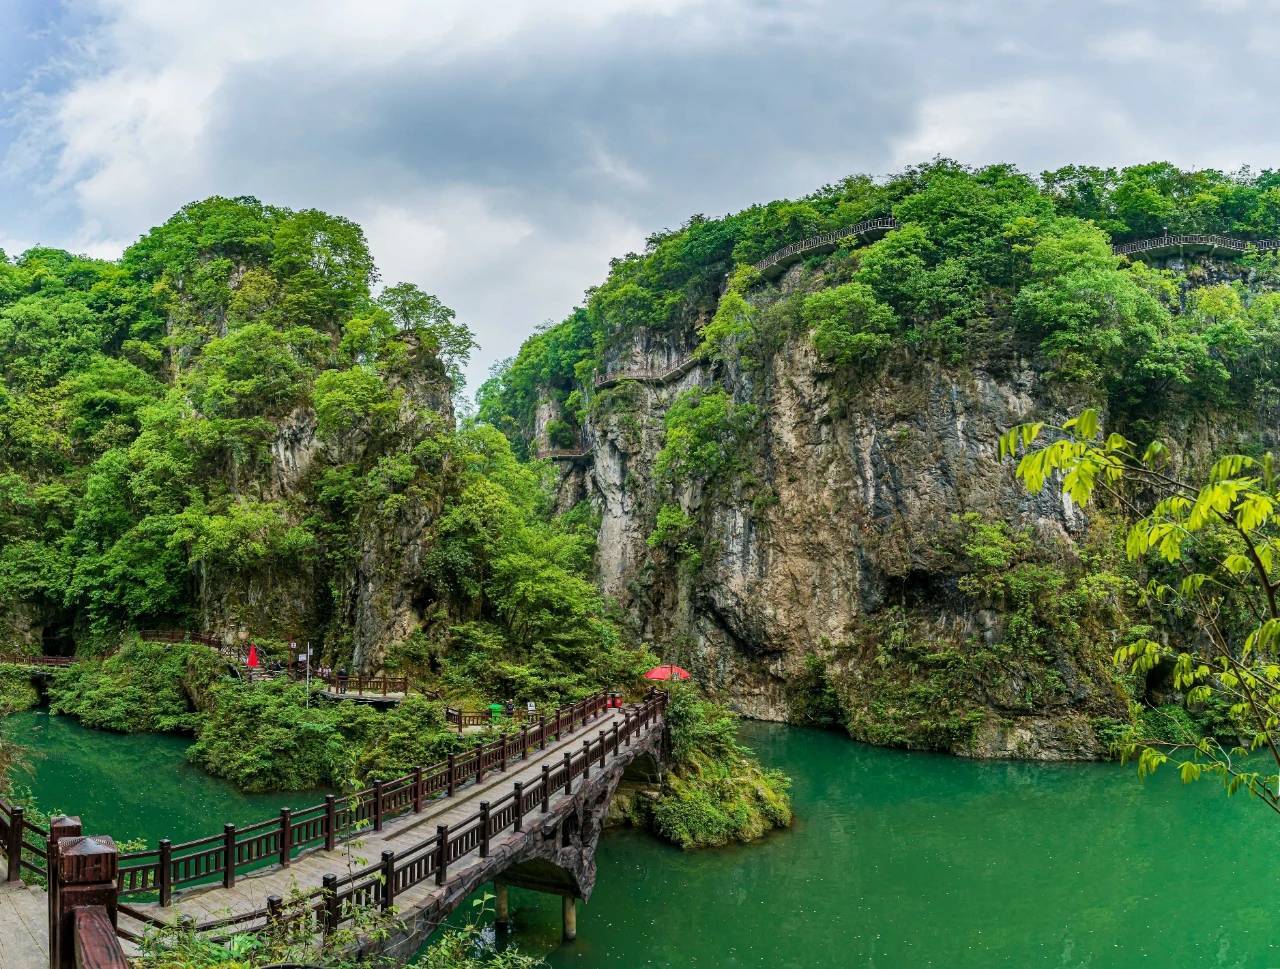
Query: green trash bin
[{"x": 495, "y": 711}]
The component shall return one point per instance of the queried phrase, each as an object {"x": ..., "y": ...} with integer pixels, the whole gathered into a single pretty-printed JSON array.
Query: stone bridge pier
[{"x": 555, "y": 853}]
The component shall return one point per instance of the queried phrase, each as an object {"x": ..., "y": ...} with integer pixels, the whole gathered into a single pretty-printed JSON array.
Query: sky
[{"x": 499, "y": 154}]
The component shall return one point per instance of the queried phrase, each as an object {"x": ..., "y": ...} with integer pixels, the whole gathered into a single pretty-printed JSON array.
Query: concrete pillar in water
[
  {"x": 570, "y": 918},
  {"x": 502, "y": 905}
]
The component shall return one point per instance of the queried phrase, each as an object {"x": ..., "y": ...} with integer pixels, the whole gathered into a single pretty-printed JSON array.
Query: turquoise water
[
  {"x": 896, "y": 861},
  {"x": 900, "y": 860},
  {"x": 132, "y": 785}
]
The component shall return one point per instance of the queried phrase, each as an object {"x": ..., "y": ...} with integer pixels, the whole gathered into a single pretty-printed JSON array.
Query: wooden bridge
[
  {"x": 646, "y": 376},
  {"x": 524, "y": 810}
]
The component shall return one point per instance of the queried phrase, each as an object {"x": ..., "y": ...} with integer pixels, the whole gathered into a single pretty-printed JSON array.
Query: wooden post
[
  {"x": 557, "y": 724},
  {"x": 568, "y": 773},
  {"x": 479, "y": 763},
  {"x": 502, "y": 905},
  {"x": 384, "y": 684},
  {"x": 442, "y": 863},
  {"x": 502, "y": 746},
  {"x": 519, "y": 795},
  {"x": 377, "y": 805},
  {"x": 417, "y": 790},
  {"x": 332, "y": 907},
  {"x": 388, "y": 879},
  {"x": 13, "y": 850},
  {"x": 59, "y": 827},
  {"x": 330, "y": 822},
  {"x": 546, "y": 788},
  {"x": 626, "y": 727},
  {"x": 229, "y": 855},
  {"x": 85, "y": 877},
  {"x": 484, "y": 829},
  {"x": 453, "y": 774},
  {"x": 524, "y": 742},
  {"x": 542, "y": 732},
  {"x": 275, "y": 911},
  {"x": 602, "y": 750},
  {"x": 569, "y": 909},
  {"x": 615, "y": 736},
  {"x": 586, "y": 759},
  {"x": 165, "y": 874},
  {"x": 286, "y": 836}
]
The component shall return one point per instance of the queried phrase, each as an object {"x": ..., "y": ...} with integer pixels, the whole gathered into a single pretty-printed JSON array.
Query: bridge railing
[
  {"x": 24, "y": 844},
  {"x": 54, "y": 661},
  {"x": 167, "y": 867},
  {"x": 340, "y": 897}
]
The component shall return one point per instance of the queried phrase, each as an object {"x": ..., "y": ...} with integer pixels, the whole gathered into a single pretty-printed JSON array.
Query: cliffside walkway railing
[
  {"x": 1194, "y": 242},
  {"x": 775, "y": 262},
  {"x": 383, "y": 816},
  {"x": 614, "y": 377},
  {"x": 562, "y": 454}
]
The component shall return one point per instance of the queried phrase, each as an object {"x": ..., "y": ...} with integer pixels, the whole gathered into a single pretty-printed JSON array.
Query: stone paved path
[{"x": 24, "y": 930}]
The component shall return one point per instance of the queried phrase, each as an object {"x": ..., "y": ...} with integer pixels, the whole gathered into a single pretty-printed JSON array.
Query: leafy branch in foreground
[{"x": 1211, "y": 549}]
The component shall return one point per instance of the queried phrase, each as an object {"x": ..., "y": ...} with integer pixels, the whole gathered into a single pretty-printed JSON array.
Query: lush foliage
[
  {"x": 1211, "y": 548},
  {"x": 716, "y": 791},
  {"x": 294, "y": 943},
  {"x": 143, "y": 687},
  {"x": 275, "y": 736}
]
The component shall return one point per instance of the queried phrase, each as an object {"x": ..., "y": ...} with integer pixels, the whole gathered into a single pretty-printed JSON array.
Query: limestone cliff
[{"x": 840, "y": 573}]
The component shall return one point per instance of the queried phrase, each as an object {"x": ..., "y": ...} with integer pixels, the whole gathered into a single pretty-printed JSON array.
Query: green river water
[{"x": 896, "y": 861}]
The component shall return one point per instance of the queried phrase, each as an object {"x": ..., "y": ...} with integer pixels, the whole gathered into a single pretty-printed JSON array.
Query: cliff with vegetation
[
  {"x": 795, "y": 473},
  {"x": 226, "y": 431}
]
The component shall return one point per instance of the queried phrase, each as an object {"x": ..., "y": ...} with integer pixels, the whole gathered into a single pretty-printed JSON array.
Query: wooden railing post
[
  {"x": 388, "y": 879},
  {"x": 568, "y": 773},
  {"x": 586, "y": 759},
  {"x": 417, "y": 790},
  {"x": 453, "y": 775},
  {"x": 484, "y": 829},
  {"x": 519, "y": 795},
  {"x": 330, "y": 822},
  {"x": 13, "y": 850},
  {"x": 377, "y": 805},
  {"x": 602, "y": 748},
  {"x": 165, "y": 874},
  {"x": 626, "y": 727},
  {"x": 275, "y": 912},
  {"x": 229, "y": 855},
  {"x": 332, "y": 913},
  {"x": 286, "y": 836},
  {"x": 524, "y": 742},
  {"x": 84, "y": 876},
  {"x": 479, "y": 763},
  {"x": 503, "y": 742},
  {"x": 557, "y": 724},
  {"x": 546, "y": 788},
  {"x": 442, "y": 863},
  {"x": 59, "y": 827},
  {"x": 542, "y": 732}
]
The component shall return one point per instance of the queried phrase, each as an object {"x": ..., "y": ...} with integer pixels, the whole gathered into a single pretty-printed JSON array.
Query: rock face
[{"x": 834, "y": 562}]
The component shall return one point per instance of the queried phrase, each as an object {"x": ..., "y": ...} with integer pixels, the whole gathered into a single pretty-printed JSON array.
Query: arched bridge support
[{"x": 555, "y": 853}]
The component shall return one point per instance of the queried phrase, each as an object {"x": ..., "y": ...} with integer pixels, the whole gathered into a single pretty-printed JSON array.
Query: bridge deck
[
  {"x": 306, "y": 872},
  {"x": 24, "y": 927}
]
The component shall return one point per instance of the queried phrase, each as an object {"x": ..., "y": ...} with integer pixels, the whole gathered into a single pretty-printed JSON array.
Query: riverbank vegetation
[
  {"x": 455, "y": 947},
  {"x": 714, "y": 791},
  {"x": 1209, "y": 541}
]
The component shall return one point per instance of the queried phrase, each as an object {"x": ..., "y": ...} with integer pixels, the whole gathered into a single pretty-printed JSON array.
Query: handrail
[
  {"x": 825, "y": 239},
  {"x": 38, "y": 660},
  {"x": 562, "y": 452},
  {"x": 1212, "y": 240},
  {"x": 609, "y": 378},
  {"x": 166, "y": 867},
  {"x": 336, "y": 900}
]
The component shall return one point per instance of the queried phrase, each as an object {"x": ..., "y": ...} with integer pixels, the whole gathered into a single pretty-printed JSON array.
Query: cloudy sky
[{"x": 499, "y": 153}]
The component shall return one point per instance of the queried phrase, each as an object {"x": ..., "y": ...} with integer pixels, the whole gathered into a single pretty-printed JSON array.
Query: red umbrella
[
  {"x": 668, "y": 671},
  {"x": 252, "y": 662}
]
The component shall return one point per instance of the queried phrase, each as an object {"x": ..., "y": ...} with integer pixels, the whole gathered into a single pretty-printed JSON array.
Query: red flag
[{"x": 253, "y": 657}]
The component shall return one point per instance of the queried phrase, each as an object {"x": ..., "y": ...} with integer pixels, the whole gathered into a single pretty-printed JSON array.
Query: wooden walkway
[
  {"x": 306, "y": 872},
  {"x": 24, "y": 927}
]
